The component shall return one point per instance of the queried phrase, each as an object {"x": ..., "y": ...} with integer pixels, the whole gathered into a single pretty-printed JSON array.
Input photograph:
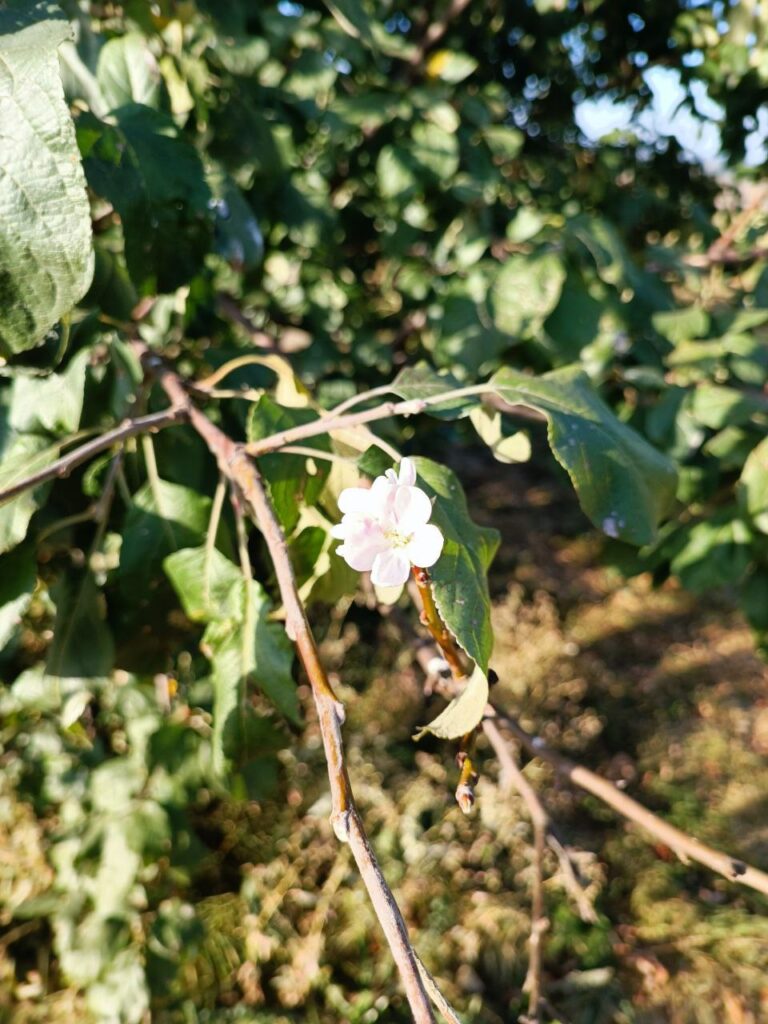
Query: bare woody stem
[
  {"x": 63, "y": 467},
  {"x": 408, "y": 407},
  {"x": 685, "y": 846},
  {"x": 235, "y": 465}
]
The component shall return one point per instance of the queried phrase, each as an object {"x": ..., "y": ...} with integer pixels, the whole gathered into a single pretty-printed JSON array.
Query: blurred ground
[{"x": 657, "y": 690}]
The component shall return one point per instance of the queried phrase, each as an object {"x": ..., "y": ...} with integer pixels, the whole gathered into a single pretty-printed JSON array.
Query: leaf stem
[{"x": 210, "y": 535}]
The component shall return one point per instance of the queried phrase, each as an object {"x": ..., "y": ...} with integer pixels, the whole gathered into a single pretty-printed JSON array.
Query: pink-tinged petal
[
  {"x": 354, "y": 499},
  {"x": 425, "y": 546},
  {"x": 407, "y": 476},
  {"x": 391, "y": 476},
  {"x": 391, "y": 568},
  {"x": 412, "y": 509},
  {"x": 340, "y": 530},
  {"x": 362, "y": 545},
  {"x": 383, "y": 492}
]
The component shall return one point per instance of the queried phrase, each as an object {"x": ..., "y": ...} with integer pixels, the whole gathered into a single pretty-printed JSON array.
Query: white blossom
[{"x": 385, "y": 529}]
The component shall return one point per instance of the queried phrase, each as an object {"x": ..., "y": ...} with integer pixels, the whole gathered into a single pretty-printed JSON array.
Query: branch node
[{"x": 340, "y": 825}]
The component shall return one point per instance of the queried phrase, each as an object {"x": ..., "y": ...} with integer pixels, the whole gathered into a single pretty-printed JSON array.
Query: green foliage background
[{"x": 209, "y": 175}]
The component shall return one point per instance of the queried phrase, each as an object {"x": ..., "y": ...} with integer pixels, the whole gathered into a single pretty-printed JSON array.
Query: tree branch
[
  {"x": 409, "y": 407},
  {"x": 63, "y": 467},
  {"x": 511, "y": 776},
  {"x": 347, "y": 824},
  {"x": 685, "y": 846},
  {"x": 435, "y": 32}
]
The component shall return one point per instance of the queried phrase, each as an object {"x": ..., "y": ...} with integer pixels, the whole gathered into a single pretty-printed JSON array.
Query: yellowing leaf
[{"x": 464, "y": 713}]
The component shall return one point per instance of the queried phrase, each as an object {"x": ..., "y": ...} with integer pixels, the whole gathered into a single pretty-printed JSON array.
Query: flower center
[{"x": 395, "y": 539}]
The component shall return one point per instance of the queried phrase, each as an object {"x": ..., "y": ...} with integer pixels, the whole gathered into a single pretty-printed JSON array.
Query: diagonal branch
[
  {"x": 512, "y": 776},
  {"x": 235, "y": 465},
  {"x": 63, "y": 467},
  {"x": 685, "y": 846}
]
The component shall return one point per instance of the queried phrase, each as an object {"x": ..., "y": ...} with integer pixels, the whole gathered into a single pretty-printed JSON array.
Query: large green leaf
[
  {"x": 51, "y": 404},
  {"x": 288, "y": 476},
  {"x": 18, "y": 577},
  {"x": 526, "y": 291},
  {"x": 753, "y": 486},
  {"x": 128, "y": 72},
  {"x": 155, "y": 180},
  {"x": 421, "y": 381},
  {"x": 212, "y": 589},
  {"x": 46, "y": 259},
  {"x": 460, "y": 575},
  {"x": 162, "y": 519},
  {"x": 82, "y": 644},
  {"x": 21, "y": 455},
  {"x": 624, "y": 485}
]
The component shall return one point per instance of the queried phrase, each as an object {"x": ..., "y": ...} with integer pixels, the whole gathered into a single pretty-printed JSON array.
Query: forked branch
[
  {"x": 238, "y": 468},
  {"x": 683, "y": 845}
]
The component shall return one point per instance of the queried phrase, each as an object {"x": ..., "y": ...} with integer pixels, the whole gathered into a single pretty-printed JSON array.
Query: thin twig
[
  {"x": 242, "y": 473},
  {"x": 63, "y": 467},
  {"x": 210, "y": 535},
  {"x": 408, "y": 407},
  {"x": 316, "y": 453},
  {"x": 685, "y": 846},
  {"x": 359, "y": 398},
  {"x": 511, "y": 776},
  {"x": 435, "y": 994},
  {"x": 230, "y": 309},
  {"x": 435, "y": 32}
]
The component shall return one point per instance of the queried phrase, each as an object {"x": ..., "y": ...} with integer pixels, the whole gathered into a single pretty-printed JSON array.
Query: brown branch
[
  {"x": 408, "y": 407},
  {"x": 347, "y": 824},
  {"x": 63, "y": 467},
  {"x": 511, "y": 776},
  {"x": 431, "y": 618},
  {"x": 229, "y": 308},
  {"x": 685, "y": 846},
  {"x": 435, "y": 32}
]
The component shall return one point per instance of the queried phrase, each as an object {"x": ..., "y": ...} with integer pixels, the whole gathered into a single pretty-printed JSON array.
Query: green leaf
[
  {"x": 716, "y": 406},
  {"x": 46, "y": 260},
  {"x": 155, "y": 180},
  {"x": 212, "y": 589},
  {"x": 451, "y": 66},
  {"x": 21, "y": 456},
  {"x": 395, "y": 173},
  {"x": 754, "y": 598},
  {"x": 435, "y": 150},
  {"x": 682, "y": 324},
  {"x": 288, "y": 477},
  {"x": 421, "y": 381},
  {"x": 127, "y": 72},
  {"x": 464, "y": 713},
  {"x": 715, "y": 553},
  {"x": 504, "y": 141},
  {"x": 460, "y": 575},
  {"x": 526, "y": 291},
  {"x": 753, "y": 487},
  {"x": 238, "y": 237},
  {"x": 82, "y": 645},
  {"x": 51, "y": 404},
  {"x": 161, "y": 519},
  {"x": 505, "y": 446},
  {"x": 624, "y": 485},
  {"x": 352, "y": 17},
  {"x": 209, "y": 586},
  {"x": 18, "y": 576}
]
